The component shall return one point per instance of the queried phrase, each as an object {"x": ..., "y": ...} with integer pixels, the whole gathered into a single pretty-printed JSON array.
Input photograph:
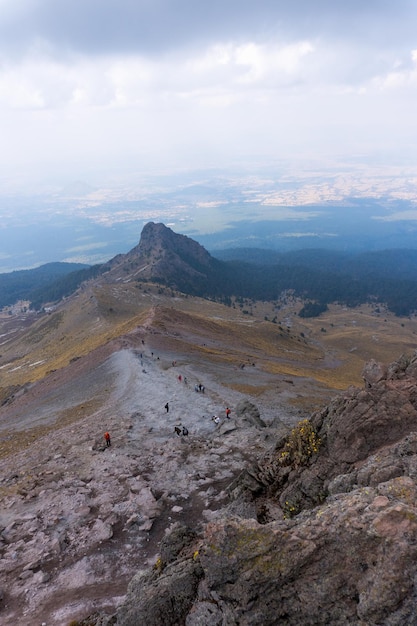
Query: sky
[{"x": 89, "y": 88}]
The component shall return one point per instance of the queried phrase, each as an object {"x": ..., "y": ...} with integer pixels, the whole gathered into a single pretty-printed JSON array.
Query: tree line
[{"x": 349, "y": 285}]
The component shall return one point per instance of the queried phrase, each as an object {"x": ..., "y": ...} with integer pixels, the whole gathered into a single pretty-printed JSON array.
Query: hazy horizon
[
  {"x": 111, "y": 110},
  {"x": 94, "y": 88},
  {"x": 347, "y": 211}
]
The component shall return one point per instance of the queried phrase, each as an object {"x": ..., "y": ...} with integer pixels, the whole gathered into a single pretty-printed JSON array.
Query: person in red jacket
[
  {"x": 107, "y": 438},
  {"x": 228, "y": 411}
]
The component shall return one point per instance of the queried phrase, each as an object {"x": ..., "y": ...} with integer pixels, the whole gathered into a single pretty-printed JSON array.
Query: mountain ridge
[
  {"x": 19, "y": 284},
  {"x": 205, "y": 525},
  {"x": 319, "y": 277}
]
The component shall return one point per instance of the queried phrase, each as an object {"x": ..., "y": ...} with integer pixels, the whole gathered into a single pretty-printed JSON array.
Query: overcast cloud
[{"x": 91, "y": 85}]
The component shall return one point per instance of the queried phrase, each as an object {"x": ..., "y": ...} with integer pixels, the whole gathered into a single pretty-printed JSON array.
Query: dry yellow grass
[
  {"x": 20, "y": 439},
  {"x": 331, "y": 349},
  {"x": 77, "y": 327}
]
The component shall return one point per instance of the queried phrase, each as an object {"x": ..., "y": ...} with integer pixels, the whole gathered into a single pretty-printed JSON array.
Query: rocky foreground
[
  {"x": 248, "y": 521},
  {"x": 77, "y": 518},
  {"x": 322, "y": 530}
]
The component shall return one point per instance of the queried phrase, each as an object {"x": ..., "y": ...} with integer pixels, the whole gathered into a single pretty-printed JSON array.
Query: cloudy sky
[{"x": 90, "y": 86}]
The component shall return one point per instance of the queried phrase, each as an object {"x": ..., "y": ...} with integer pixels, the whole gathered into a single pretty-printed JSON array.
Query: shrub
[
  {"x": 301, "y": 444},
  {"x": 291, "y": 508}
]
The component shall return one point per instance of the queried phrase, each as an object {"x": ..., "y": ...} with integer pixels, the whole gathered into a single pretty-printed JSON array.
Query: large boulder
[
  {"x": 161, "y": 597},
  {"x": 248, "y": 412}
]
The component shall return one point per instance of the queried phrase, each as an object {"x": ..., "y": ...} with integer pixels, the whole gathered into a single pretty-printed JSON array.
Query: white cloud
[
  {"x": 80, "y": 82},
  {"x": 249, "y": 63},
  {"x": 399, "y": 216},
  {"x": 402, "y": 75}
]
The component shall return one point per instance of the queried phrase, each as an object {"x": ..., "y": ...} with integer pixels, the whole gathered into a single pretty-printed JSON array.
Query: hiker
[
  {"x": 180, "y": 378},
  {"x": 216, "y": 419},
  {"x": 167, "y": 407},
  {"x": 196, "y": 388},
  {"x": 228, "y": 411},
  {"x": 185, "y": 380},
  {"x": 184, "y": 431},
  {"x": 107, "y": 438},
  {"x": 178, "y": 430}
]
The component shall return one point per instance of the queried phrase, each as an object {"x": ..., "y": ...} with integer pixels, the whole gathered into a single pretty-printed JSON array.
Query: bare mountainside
[
  {"x": 167, "y": 257},
  {"x": 78, "y": 520}
]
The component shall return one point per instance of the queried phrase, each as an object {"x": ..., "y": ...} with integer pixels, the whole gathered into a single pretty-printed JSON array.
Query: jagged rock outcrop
[
  {"x": 249, "y": 413},
  {"x": 339, "y": 439},
  {"x": 170, "y": 259},
  {"x": 333, "y": 539}
]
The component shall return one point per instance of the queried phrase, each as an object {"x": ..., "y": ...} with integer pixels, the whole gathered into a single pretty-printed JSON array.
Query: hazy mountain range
[{"x": 317, "y": 276}]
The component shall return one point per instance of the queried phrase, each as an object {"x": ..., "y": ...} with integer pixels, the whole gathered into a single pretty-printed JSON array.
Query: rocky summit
[
  {"x": 169, "y": 258},
  {"x": 321, "y": 530}
]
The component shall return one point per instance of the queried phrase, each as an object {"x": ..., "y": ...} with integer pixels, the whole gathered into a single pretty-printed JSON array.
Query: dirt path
[{"x": 75, "y": 515}]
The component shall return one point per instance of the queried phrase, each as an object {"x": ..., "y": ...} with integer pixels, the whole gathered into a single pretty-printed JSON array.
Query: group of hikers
[
  {"x": 180, "y": 430},
  {"x": 183, "y": 432},
  {"x": 216, "y": 418},
  {"x": 198, "y": 387}
]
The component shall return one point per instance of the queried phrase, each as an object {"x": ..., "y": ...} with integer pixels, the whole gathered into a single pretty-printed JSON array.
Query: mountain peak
[
  {"x": 157, "y": 239},
  {"x": 167, "y": 257}
]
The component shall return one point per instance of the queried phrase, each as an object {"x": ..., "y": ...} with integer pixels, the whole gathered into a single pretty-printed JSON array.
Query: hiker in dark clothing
[
  {"x": 178, "y": 431},
  {"x": 167, "y": 407},
  {"x": 184, "y": 431}
]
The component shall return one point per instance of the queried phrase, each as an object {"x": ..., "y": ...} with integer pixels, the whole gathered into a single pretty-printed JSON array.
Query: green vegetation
[
  {"x": 352, "y": 280},
  {"x": 222, "y": 280},
  {"x": 324, "y": 277},
  {"x": 302, "y": 443},
  {"x": 291, "y": 508},
  {"x": 313, "y": 309},
  {"x": 21, "y": 285},
  {"x": 62, "y": 287}
]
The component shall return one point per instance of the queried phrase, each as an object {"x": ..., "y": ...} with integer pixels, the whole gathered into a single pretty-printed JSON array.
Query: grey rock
[
  {"x": 205, "y": 614},
  {"x": 178, "y": 537},
  {"x": 247, "y": 411},
  {"x": 341, "y": 484},
  {"x": 374, "y": 372},
  {"x": 161, "y": 598}
]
